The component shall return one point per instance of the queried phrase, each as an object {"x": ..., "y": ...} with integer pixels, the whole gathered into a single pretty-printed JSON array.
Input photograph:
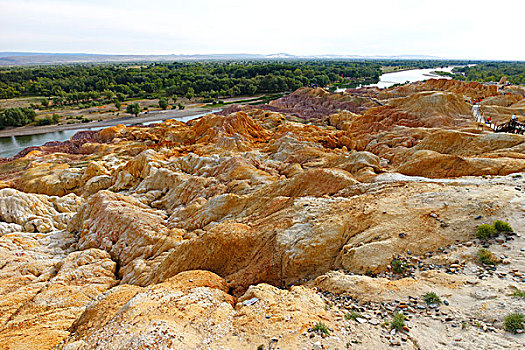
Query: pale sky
[{"x": 477, "y": 29}]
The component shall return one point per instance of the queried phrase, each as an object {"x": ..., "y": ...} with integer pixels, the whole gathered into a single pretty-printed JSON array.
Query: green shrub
[
  {"x": 485, "y": 231},
  {"x": 502, "y": 226},
  {"x": 48, "y": 120},
  {"x": 43, "y": 121},
  {"x": 398, "y": 266},
  {"x": 398, "y": 321},
  {"x": 513, "y": 322},
  {"x": 519, "y": 294},
  {"x": 486, "y": 257},
  {"x": 321, "y": 328},
  {"x": 432, "y": 298},
  {"x": 353, "y": 315},
  {"x": 163, "y": 103}
]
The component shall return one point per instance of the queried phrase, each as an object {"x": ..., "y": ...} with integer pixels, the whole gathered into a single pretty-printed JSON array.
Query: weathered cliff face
[{"x": 189, "y": 235}]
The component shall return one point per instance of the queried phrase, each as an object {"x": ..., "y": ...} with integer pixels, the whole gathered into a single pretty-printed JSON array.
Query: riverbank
[{"x": 142, "y": 118}]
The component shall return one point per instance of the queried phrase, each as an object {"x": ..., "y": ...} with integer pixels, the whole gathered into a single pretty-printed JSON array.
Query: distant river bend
[{"x": 388, "y": 79}]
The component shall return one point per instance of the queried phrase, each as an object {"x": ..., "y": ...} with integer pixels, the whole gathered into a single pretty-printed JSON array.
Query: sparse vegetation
[
  {"x": 519, "y": 294},
  {"x": 398, "y": 321},
  {"x": 502, "y": 226},
  {"x": 486, "y": 257},
  {"x": 513, "y": 322},
  {"x": 398, "y": 266},
  {"x": 321, "y": 328},
  {"x": 432, "y": 298},
  {"x": 486, "y": 231},
  {"x": 353, "y": 315}
]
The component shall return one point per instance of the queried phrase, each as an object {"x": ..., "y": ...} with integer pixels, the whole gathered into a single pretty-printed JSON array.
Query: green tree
[
  {"x": 45, "y": 102},
  {"x": 163, "y": 103},
  {"x": 120, "y": 96},
  {"x": 190, "y": 94},
  {"x": 118, "y": 104},
  {"x": 171, "y": 91},
  {"x": 108, "y": 94},
  {"x": 133, "y": 108},
  {"x": 252, "y": 89},
  {"x": 17, "y": 117}
]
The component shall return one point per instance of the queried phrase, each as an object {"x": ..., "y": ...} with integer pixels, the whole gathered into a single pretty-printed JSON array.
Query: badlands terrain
[{"x": 304, "y": 224}]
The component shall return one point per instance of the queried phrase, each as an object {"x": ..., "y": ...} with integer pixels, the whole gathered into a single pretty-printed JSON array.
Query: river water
[
  {"x": 9, "y": 146},
  {"x": 388, "y": 79}
]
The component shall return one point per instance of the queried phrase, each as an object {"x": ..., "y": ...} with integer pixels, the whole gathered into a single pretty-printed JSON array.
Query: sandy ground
[{"x": 142, "y": 118}]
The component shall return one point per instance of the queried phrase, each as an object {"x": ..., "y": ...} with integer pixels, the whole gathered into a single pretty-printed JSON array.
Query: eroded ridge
[{"x": 305, "y": 224}]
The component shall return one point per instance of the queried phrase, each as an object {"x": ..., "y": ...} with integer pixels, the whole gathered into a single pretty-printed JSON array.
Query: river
[
  {"x": 9, "y": 146},
  {"x": 388, "y": 79}
]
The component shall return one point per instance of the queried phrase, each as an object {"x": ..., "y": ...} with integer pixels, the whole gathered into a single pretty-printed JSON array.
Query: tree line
[
  {"x": 72, "y": 84},
  {"x": 492, "y": 71}
]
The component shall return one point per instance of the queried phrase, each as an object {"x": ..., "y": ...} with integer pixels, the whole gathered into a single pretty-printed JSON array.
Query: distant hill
[{"x": 44, "y": 58}]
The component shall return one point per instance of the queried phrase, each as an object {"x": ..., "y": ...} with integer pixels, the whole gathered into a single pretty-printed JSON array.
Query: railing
[{"x": 510, "y": 127}]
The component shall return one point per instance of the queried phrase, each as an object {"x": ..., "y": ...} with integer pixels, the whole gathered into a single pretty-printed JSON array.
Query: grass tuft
[
  {"x": 519, "y": 294},
  {"x": 353, "y": 315},
  {"x": 486, "y": 257},
  {"x": 432, "y": 298},
  {"x": 513, "y": 322},
  {"x": 398, "y": 266},
  {"x": 486, "y": 231},
  {"x": 398, "y": 321},
  {"x": 502, "y": 226},
  {"x": 321, "y": 328}
]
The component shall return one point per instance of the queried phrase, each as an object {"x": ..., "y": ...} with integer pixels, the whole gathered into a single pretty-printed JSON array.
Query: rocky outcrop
[
  {"x": 131, "y": 232},
  {"x": 317, "y": 103},
  {"x": 36, "y": 213},
  {"x": 251, "y": 226},
  {"x": 192, "y": 311}
]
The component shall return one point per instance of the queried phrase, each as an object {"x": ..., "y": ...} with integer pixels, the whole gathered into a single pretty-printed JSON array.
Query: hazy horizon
[{"x": 451, "y": 30}]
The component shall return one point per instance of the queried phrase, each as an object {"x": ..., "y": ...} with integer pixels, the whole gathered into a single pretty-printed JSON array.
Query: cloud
[{"x": 468, "y": 29}]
